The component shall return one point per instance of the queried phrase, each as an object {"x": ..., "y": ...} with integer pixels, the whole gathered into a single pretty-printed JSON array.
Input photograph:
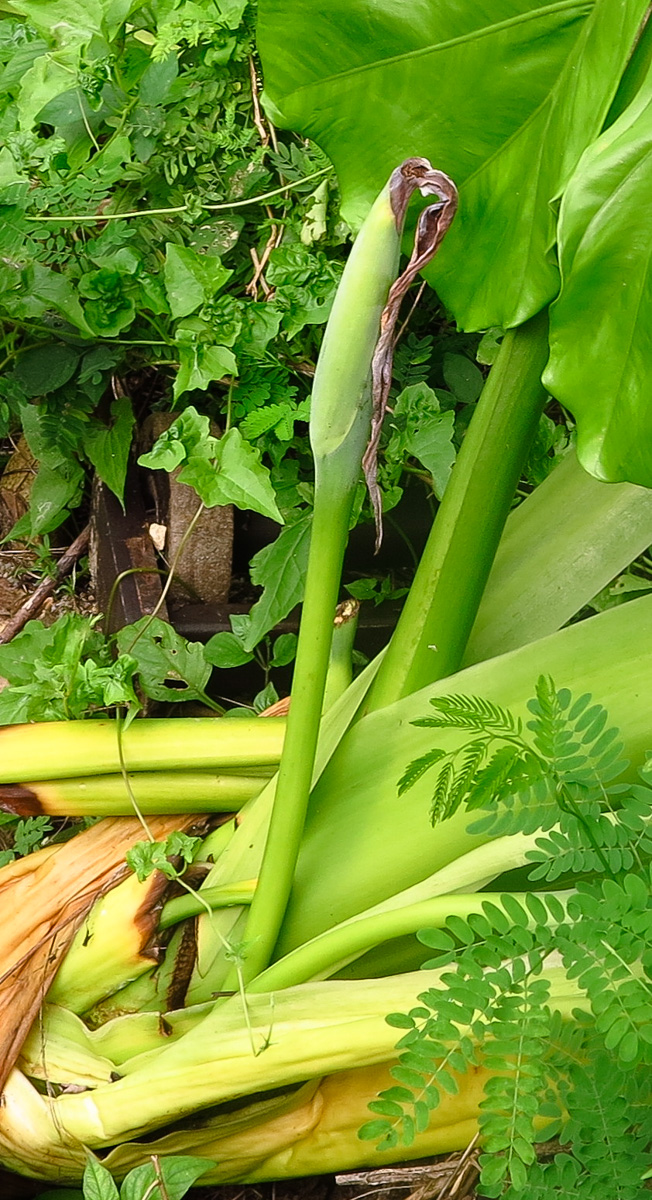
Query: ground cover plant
[
  {"x": 163, "y": 249},
  {"x": 261, "y": 1037}
]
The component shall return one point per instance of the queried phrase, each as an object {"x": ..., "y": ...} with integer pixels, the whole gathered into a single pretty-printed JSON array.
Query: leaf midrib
[{"x": 436, "y": 47}]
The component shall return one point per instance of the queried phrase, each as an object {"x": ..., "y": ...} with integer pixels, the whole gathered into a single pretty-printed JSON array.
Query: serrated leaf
[{"x": 280, "y": 569}]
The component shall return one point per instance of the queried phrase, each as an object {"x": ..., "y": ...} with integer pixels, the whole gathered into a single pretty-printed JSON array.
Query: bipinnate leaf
[{"x": 601, "y": 348}]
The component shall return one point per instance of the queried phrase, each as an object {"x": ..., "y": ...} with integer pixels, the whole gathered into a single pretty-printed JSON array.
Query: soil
[{"x": 441, "y": 1185}]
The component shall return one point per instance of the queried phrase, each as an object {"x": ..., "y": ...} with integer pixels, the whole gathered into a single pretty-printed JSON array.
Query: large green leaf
[
  {"x": 601, "y": 326},
  {"x": 503, "y": 95},
  {"x": 506, "y": 223},
  {"x": 374, "y": 81}
]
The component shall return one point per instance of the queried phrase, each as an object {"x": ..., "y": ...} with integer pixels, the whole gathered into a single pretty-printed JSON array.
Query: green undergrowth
[
  {"x": 162, "y": 248},
  {"x": 580, "y": 1075}
]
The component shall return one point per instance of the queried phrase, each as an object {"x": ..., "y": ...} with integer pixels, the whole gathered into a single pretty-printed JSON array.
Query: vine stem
[
  {"x": 434, "y": 627},
  {"x": 180, "y": 208}
]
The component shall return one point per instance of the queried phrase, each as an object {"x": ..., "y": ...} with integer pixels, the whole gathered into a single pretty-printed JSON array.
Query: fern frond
[
  {"x": 472, "y": 712},
  {"x": 471, "y": 757},
  {"x": 440, "y": 806},
  {"x": 417, "y": 768},
  {"x": 519, "y": 1031}
]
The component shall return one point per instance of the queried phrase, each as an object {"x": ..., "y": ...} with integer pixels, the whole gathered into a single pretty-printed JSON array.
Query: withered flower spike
[{"x": 432, "y": 226}]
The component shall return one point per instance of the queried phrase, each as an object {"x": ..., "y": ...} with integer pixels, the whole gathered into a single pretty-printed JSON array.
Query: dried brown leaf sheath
[
  {"x": 432, "y": 226},
  {"x": 41, "y": 909}
]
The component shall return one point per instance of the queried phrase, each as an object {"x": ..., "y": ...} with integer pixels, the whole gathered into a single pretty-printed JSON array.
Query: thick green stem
[
  {"x": 326, "y": 954},
  {"x": 191, "y": 904},
  {"x": 156, "y": 792},
  {"x": 63, "y": 749},
  {"x": 437, "y": 618},
  {"x": 327, "y": 544},
  {"x": 340, "y": 666},
  {"x": 339, "y": 430}
]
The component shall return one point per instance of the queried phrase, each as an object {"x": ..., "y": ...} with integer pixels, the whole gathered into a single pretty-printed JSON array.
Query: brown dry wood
[
  {"x": 35, "y": 602},
  {"x": 200, "y": 559},
  {"x": 15, "y": 485},
  {"x": 41, "y": 910},
  {"x": 121, "y": 543}
]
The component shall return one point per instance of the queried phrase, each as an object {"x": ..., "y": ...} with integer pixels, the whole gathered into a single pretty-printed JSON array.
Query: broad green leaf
[
  {"x": 13, "y": 185},
  {"x": 189, "y": 436},
  {"x": 53, "y": 492},
  {"x": 506, "y": 222},
  {"x": 98, "y": 1182},
  {"x": 43, "y": 369},
  {"x": 50, "y": 76},
  {"x": 261, "y": 323},
  {"x": 74, "y": 22},
  {"x": 225, "y": 651},
  {"x": 58, "y": 293},
  {"x": 464, "y": 379},
  {"x": 265, "y": 698},
  {"x": 200, "y": 365},
  {"x": 191, "y": 279},
  {"x": 231, "y": 11},
  {"x": 432, "y": 443},
  {"x": 107, "y": 446},
  {"x": 504, "y": 97},
  {"x": 374, "y": 81},
  {"x": 178, "y": 1172},
  {"x": 109, "y": 306},
  {"x": 285, "y": 649},
  {"x": 280, "y": 569},
  {"x": 601, "y": 326},
  {"x": 18, "y": 656},
  {"x": 425, "y": 432},
  {"x": 170, "y": 668},
  {"x": 157, "y": 79},
  {"x": 239, "y": 477}
]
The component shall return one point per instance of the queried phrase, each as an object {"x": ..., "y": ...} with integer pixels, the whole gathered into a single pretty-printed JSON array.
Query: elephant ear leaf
[
  {"x": 600, "y": 327},
  {"x": 374, "y": 82},
  {"x": 503, "y": 95},
  {"x": 507, "y": 223}
]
